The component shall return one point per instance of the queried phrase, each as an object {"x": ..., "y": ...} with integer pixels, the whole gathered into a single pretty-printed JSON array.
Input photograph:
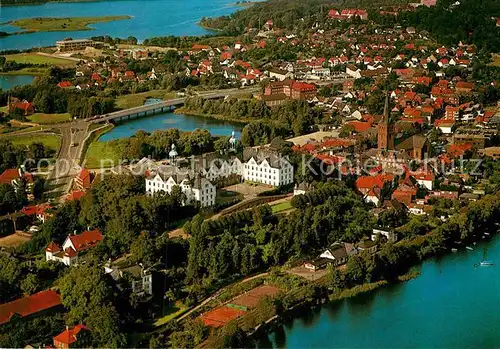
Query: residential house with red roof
[
  {"x": 84, "y": 180},
  {"x": 71, "y": 338},
  {"x": 65, "y": 84},
  {"x": 25, "y": 107},
  {"x": 29, "y": 306},
  {"x": 40, "y": 212},
  {"x": 72, "y": 246},
  {"x": 14, "y": 176}
]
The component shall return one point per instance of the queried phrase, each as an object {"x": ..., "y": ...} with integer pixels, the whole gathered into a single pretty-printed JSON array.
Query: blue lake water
[
  {"x": 171, "y": 120},
  {"x": 150, "y": 18},
  {"x": 9, "y": 81},
  {"x": 451, "y": 304}
]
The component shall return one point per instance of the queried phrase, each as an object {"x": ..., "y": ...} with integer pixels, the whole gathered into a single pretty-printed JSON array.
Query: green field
[
  {"x": 138, "y": 99},
  {"x": 173, "y": 312},
  {"x": 98, "y": 151},
  {"x": 41, "y": 118},
  {"x": 52, "y": 142},
  {"x": 34, "y": 58},
  {"x": 48, "y": 24},
  {"x": 282, "y": 206}
]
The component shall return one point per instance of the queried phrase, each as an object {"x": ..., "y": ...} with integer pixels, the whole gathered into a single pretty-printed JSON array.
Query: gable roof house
[
  {"x": 73, "y": 246},
  {"x": 70, "y": 337},
  {"x": 336, "y": 253}
]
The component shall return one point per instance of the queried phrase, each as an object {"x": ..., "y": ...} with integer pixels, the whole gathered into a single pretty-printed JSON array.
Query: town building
[
  {"x": 195, "y": 187},
  {"x": 68, "y": 254},
  {"x": 389, "y": 234},
  {"x": 84, "y": 180},
  {"x": 29, "y": 306},
  {"x": 140, "y": 278},
  {"x": 73, "y": 337},
  {"x": 75, "y": 45}
]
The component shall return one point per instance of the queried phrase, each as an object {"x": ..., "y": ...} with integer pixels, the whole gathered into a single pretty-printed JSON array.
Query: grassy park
[
  {"x": 45, "y": 119},
  {"x": 282, "y": 206},
  {"x": 50, "y": 141},
  {"x": 35, "y": 58},
  {"x": 48, "y": 24},
  {"x": 98, "y": 151}
]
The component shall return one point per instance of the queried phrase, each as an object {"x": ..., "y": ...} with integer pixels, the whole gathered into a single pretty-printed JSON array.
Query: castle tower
[
  {"x": 385, "y": 129},
  {"x": 173, "y": 154},
  {"x": 232, "y": 142}
]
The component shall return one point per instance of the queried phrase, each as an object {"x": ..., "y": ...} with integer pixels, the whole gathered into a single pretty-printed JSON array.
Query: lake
[
  {"x": 8, "y": 81},
  {"x": 171, "y": 120},
  {"x": 150, "y": 18},
  {"x": 452, "y": 304}
]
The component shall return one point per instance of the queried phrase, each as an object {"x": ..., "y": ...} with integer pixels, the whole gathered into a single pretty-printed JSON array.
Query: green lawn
[
  {"x": 34, "y": 58},
  {"x": 41, "y": 118},
  {"x": 52, "y": 142},
  {"x": 282, "y": 206},
  {"x": 173, "y": 312},
  {"x": 99, "y": 151},
  {"x": 224, "y": 196},
  {"x": 138, "y": 99},
  {"x": 47, "y": 24}
]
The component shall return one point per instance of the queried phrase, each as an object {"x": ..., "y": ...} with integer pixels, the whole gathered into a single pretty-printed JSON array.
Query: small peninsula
[{"x": 49, "y": 24}]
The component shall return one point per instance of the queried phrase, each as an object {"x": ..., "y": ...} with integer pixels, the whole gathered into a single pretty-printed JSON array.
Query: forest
[{"x": 292, "y": 118}]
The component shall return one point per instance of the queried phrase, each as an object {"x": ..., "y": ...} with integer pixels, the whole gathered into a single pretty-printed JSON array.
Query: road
[{"x": 61, "y": 176}]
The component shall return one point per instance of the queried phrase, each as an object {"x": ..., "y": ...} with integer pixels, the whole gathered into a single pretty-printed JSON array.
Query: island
[{"x": 50, "y": 24}]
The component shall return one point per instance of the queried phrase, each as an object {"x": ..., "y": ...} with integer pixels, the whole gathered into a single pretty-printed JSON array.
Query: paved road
[{"x": 66, "y": 167}]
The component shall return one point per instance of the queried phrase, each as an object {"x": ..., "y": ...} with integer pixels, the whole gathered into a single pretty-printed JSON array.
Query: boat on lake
[
  {"x": 469, "y": 248},
  {"x": 485, "y": 262}
]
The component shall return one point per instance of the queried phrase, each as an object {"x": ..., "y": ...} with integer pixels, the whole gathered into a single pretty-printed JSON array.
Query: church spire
[{"x": 386, "y": 108}]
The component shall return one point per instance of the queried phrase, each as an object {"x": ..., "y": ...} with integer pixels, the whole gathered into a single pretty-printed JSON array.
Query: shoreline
[
  {"x": 294, "y": 313},
  {"x": 183, "y": 110},
  {"x": 59, "y": 24}
]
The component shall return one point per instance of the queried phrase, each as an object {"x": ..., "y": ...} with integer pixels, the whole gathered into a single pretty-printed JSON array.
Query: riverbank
[
  {"x": 48, "y": 24},
  {"x": 448, "y": 306}
]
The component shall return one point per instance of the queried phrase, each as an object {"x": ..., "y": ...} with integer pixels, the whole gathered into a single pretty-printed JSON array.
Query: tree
[
  {"x": 87, "y": 294},
  {"x": 30, "y": 284},
  {"x": 335, "y": 279}
]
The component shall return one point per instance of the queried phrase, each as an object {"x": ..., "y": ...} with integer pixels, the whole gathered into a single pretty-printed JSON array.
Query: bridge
[{"x": 163, "y": 106}]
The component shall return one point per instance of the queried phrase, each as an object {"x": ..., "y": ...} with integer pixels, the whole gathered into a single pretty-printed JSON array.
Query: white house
[
  {"x": 266, "y": 167},
  {"x": 373, "y": 196},
  {"x": 72, "y": 246},
  {"x": 390, "y": 235},
  {"x": 337, "y": 253},
  {"x": 195, "y": 187}
]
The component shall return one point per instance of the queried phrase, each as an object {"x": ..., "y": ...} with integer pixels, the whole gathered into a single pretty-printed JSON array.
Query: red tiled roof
[
  {"x": 64, "y": 84},
  {"x": 86, "y": 240},
  {"x": 75, "y": 195},
  {"x": 69, "y": 335},
  {"x": 53, "y": 247},
  {"x": 9, "y": 175},
  {"x": 29, "y": 210},
  {"x": 368, "y": 182},
  {"x": 360, "y": 126},
  {"x": 29, "y": 305},
  {"x": 69, "y": 252}
]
